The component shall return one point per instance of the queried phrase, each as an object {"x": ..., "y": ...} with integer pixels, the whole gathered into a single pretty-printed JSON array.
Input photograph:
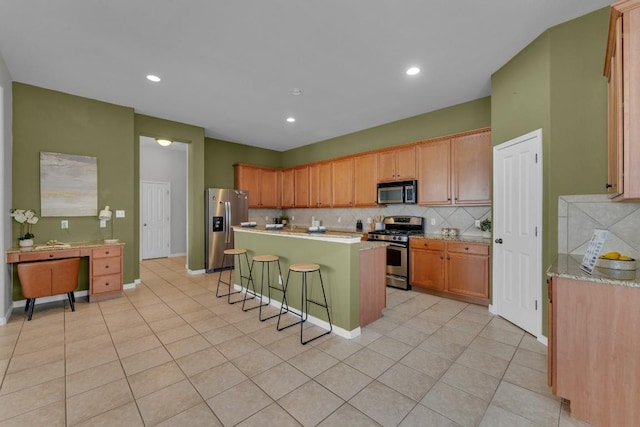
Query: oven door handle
[{"x": 398, "y": 245}]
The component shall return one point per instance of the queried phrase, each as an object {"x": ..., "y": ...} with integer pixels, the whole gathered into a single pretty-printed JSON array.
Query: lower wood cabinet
[
  {"x": 458, "y": 270},
  {"x": 105, "y": 272}
]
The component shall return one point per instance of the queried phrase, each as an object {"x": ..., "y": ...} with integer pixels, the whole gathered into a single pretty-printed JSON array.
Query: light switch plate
[
  {"x": 120, "y": 214},
  {"x": 478, "y": 223},
  {"x": 64, "y": 224}
]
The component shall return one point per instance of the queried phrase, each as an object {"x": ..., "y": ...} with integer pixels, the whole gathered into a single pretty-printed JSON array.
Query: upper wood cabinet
[
  {"x": 301, "y": 184},
  {"x": 397, "y": 165},
  {"x": 622, "y": 69},
  {"x": 288, "y": 188},
  {"x": 320, "y": 185},
  {"x": 455, "y": 171},
  {"x": 365, "y": 180},
  {"x": 262, "y": 183},
  {"x": 342, "y": 181}
]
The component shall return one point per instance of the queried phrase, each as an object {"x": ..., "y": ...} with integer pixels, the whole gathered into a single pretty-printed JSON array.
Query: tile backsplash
[
  {"x": 462, "y": 218},
  {"x": 578, "y": 216}
]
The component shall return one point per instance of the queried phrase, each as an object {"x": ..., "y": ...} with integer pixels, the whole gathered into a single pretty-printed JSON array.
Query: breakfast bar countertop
[{"x": 568, "y": 267}]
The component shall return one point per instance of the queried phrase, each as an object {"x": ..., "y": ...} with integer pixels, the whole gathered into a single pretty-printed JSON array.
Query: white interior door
[
  {"x": 517, "y": 231},
  {"x": 156, "y": 219}
]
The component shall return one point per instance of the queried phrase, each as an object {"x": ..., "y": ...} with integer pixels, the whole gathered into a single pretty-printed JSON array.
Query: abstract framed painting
[{"x": 68, "y": 185}]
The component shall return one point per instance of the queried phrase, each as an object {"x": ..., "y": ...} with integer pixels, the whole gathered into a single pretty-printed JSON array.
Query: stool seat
[
  {"x": 235, "y": 251},
  {"x": 266, "y": 258},
  {"x": 304, "y": 268}
]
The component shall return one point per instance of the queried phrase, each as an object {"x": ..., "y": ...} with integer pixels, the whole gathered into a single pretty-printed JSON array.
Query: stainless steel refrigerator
[{"x": 223, "y": 208}]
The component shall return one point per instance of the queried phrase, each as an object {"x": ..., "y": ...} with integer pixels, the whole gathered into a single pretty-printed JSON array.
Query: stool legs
[
  {"x": 229, "y": 283},
  {"x": 269, "y": 287},
  {"x": 304, "y": 306}
]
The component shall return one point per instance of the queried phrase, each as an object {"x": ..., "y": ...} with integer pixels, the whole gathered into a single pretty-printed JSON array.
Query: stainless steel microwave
[{"x": 397, "y": 192}]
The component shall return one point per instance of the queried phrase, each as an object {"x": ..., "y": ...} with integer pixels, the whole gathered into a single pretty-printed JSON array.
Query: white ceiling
[{"x": 228, "y": 66}]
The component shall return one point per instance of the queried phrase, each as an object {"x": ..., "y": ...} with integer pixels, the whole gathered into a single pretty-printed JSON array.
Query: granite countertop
[
  {"x": 370, "y": 244},
  {"x": 299, "y": 231},
  {"x": 461, "y": 238},
  {"x": 62, "y": 246},
  {"x": 568, "y": 267}
]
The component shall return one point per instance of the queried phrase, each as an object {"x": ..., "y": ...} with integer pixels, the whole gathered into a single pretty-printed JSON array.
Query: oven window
[{"x": 394, "y": 256}]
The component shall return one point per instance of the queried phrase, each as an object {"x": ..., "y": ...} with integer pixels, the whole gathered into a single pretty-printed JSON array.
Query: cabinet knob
[
  {"x": 106, "y": 284},
  {"x": 466, "y": 249},
  {"x": 106, "y": 266},
  {"x": 107, "y": 252},
  {"x": 50, "y": 255}
]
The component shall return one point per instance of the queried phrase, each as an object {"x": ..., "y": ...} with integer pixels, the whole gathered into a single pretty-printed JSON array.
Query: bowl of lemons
[{"x": 616, "y": 261}]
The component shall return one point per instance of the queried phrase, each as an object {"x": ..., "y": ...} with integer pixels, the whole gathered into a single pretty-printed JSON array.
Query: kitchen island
[{"x": 337, "y": 253}]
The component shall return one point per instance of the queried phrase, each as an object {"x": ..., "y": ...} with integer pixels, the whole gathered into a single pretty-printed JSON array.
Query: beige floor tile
[
  {"x": 528, "y": 378},
  {"x": 29, "y": 399},
  {"x": 498, "y": 417},
  {"x": 425, "y": 326},
  {"x": 90, "y": 359},
  {"x": 482, "y": 318},
  {"x": 257, "y": 361},
  {"x": 483, "y": 362},
  {"x": 184, "y": 305},
  {"x": 272, "y": 415},
  {"x": 442, "y": 347},
  {"x": 172, "y": 322},
  {"x": 531, "y": 359},
  {"x": 29, "y": 360},
  {"x": 502, "y": 335},
  {"x": 527, "y": 404},
  {"x": 209, "y": 324},
  {"x": 347, "y": 415},
  {"x": 153, "y": 379},
  {"x": 80, "y": 333},
  {"x": 409, "y": 336},
  {"x": 38, "y": 343},
  {"x": 97, "y": 376},
  {"x": 313, "y": 362},
  {"x": 408, "y": 381},
  {"x": 160, "y": 311},
  {"x": 382, "y": 404},
  {"x": 52, "y": 415},
  {"x": 455, "y": 404},
  {"x": 176, "y": 334},
  {"x": 343, "y": 380},
  {"x": 427, "y": 363},
  {"x": 306, "y": 411},
  {"x": 168, "y": 402},
  {"x": 238, "y": 403},
  {"x": 137, "y": 345},
  {"x": 125, "y": 415},
  {"x": 473, "y": 382},
  {"x": 130, "y": 333},
  {"x": 339, "y": 347},
  {"x": 268, "y": 335},
  {"x": 454, "y": 335},
  {"x": 30, "y": 377},
  {"x": 197, "y": 416},
  {"x": 369, "y": 362},
  {"x": 145, "y": 360},
  {"x": 124, "y": 320},
  {"x": 88, "y": 345},
  {"x": 530, "y": 343},
  {"x": 219, "y": 335},
  {"x": 390, "y": 347},
  {"x": 84, "y": 406},
  {"x": 187, "y": 346},
  {"x": 494, "y": 348},
  {"x": 287, "y": 347},
  {"x": 213, "y": 381},
  {"x": 237, "y": 347},
  {"x": 280, "y": 380},
  {"x": 199, "y": 361},
  {"x": 383, "y": 325},
  {"x": 423, "y": 416},
  {"x": 366, "y": 337}
]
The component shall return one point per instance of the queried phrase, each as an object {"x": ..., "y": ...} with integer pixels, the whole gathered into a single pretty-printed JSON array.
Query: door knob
[
  {"x": 145, "y": 224},
  {"x": 499, "y": 241}
]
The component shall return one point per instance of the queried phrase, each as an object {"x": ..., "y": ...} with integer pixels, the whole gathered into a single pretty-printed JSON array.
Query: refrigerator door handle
[{"x": 227, "y": 219}]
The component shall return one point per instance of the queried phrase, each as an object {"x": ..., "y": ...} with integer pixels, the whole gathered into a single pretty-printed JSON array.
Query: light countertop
[
  {"x": 460, "y": 238},
  {"x": 568, "y": 267}
]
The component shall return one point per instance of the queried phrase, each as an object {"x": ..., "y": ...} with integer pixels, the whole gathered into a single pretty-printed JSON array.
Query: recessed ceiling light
[
  {"x": 295, "y": 91},
  {"x": 291, "y": 119},
  {"x": 413, "y": 71},
  {"x": 153, "y": 78}
]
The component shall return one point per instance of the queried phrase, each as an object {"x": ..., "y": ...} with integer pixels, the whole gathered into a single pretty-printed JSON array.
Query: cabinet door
[
  {"x": 365, "y": 180},
  {"x": 314, "y": 185},
  {"x": 472, "y": 169},
  {"x": 301, "y": 187},
  {"x": 269, "y": 188},
  {"x": 343, "y": 182},
  {"x": 406, "y": 163},
  {"x": 433, "y": 173},
  {"x": 288, "y": 188},
  {"x": 326, "y": 185},
  {"x": 468, "y": 274},
  {"x": 387, "y": 166},
  {"x": 248, "y": 178},
  {"x": 427, "y": 269}
]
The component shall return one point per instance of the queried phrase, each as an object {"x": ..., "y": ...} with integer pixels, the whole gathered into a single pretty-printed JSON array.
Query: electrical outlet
[
  {"x": 279, "y": 279},
  {"x": 64, "y": 224},
  {"x": 478, "y": 223},
  {"x": 368, "y": 220},
  {"x": 433, "y": 221},
  {"x": 119, "y": 214},
  {"x": 339, "y": 219},
  {"x": 292, "y": 217}
]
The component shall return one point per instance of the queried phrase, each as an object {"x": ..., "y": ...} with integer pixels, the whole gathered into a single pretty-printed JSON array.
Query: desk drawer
[
  {"x": 49, "y": 254},
  {"x": 108, "y": 283},
  {"x": 107, "y": 252},
  {"x": 102, "y": 266}
]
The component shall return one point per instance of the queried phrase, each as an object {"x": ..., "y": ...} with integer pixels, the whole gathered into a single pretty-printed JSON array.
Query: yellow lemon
[
  {"x": 612, "y": 255},
  {"x": 625, "y": 258}
]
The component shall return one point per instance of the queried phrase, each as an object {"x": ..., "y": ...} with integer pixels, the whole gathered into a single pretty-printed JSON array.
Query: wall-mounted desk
[{"x": 105, "y": 263}]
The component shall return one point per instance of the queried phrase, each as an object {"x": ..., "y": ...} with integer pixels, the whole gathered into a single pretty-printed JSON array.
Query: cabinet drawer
[
  {"x": 108, "y": 283},
  {"x": 102, "y": 266},
  {"x": 53, "y": 254},
  {"x": 433, "y": 245},
  {"x": 107, "y": 252},
  {"x": 469, "y": 248}
]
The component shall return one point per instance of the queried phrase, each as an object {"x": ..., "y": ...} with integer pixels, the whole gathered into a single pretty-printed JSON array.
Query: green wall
[
  {"x": 220, "y": 156},
  {"x": 45, "y": 120},
  {"x": 458, "y": 118},
  {"x": 556, "y": 84}
]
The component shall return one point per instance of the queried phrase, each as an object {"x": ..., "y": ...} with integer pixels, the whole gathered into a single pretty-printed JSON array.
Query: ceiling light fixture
[
  {"x": 295, "y": 91},
  {"x": 291, "y": 119},
  {"x": 153, "y": 78},
  {"x": 413, "y": 71},
  {"x": 164, "y": 142}
]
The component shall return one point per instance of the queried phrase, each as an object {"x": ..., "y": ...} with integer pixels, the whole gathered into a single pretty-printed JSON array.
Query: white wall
[
  {"x": 169, "y": 164},
  {"x": 5, "y": 183}
]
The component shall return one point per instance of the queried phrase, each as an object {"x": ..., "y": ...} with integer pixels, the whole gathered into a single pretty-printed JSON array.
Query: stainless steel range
[{"x": 397, "y": 230}]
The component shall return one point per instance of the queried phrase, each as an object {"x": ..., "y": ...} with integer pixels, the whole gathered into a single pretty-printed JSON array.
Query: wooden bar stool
[
  {"x": 305, "y": 269},
  {"x": 228, "y": 256},
  {"x": 265, "y": 260}
]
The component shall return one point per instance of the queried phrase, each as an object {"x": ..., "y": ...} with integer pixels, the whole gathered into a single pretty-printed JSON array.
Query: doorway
[
  {"x": 155, "y": 201},
  {"x": 517, "y": 231}
]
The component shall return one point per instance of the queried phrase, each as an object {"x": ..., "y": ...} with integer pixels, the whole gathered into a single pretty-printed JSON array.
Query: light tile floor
[{"x": 170, "y": 353}]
